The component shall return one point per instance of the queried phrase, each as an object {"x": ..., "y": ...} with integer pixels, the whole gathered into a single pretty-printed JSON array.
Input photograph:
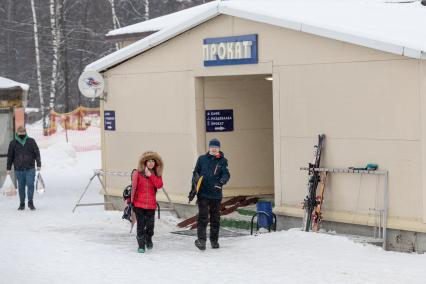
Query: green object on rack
[{"x": 372, "y": 167}]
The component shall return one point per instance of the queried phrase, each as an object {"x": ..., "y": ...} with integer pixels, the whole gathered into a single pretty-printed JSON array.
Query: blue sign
[
  {"x": 109, "y": 120},
  {"x": 219, "y": 120},
  {"x": 231, "y": 50}
]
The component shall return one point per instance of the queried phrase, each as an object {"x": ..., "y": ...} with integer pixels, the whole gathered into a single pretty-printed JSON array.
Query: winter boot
[
  {"x": 31, "y": 205},
  {"x": 200, "y": 244},
  {"x": 21, "y": 206},
  {"x": 215, "y": 244},
  {"x": 141, "y": 243},
  {"x": 149, "y": 244}
]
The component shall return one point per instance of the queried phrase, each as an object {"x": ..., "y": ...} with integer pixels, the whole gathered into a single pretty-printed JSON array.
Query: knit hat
[{"x": 214, "y": 143}]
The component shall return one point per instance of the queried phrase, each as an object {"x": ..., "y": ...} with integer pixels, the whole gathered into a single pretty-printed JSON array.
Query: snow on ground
[{"x": 53, "y": 245}]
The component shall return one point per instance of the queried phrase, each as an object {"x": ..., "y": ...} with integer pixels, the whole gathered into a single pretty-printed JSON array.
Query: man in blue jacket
[
  {"x": 23, "y": 153},
  {"x": 213, "y": 167}
]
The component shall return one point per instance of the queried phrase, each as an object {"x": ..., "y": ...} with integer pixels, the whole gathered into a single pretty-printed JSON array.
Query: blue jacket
[{"x": 214, "y": 170}]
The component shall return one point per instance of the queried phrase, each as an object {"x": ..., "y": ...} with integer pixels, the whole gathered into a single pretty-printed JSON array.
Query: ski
[
  {"x": 310, "y": 201},
  {"x": 317, "y": 214}
]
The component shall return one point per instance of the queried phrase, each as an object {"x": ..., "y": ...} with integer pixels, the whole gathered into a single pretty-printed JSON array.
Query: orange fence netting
[{"x": 78, "y": 119}]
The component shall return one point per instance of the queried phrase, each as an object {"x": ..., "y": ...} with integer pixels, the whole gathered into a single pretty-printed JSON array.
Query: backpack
[{"x": 127, "y": 195}]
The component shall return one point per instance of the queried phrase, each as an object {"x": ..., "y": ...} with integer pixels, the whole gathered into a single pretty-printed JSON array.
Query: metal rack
[
  {"x": 98, "y": 174},
  {"x": 379, "y": 234}
]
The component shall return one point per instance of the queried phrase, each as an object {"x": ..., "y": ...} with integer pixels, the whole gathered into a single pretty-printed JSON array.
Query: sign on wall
[
  {"x": 219, "y": 120},
  {"x": 231, "y": 50},
  {"x": 109, "y": 120}
]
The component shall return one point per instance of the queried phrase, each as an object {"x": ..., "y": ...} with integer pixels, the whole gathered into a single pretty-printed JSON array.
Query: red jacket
[{"x": 144, "y": 190}]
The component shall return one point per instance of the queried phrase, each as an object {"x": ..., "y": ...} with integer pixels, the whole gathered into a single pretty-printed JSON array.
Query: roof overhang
[
  {"x": 226, "y": 8},
  {"x": 128, "y": 37}
]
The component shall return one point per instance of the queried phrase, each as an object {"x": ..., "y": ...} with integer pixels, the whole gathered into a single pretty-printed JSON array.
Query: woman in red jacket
[{"x": 145, "y": 182}]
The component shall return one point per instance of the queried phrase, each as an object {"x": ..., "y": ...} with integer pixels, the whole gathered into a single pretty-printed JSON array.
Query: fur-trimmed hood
[{"x": 150, "y": 155}]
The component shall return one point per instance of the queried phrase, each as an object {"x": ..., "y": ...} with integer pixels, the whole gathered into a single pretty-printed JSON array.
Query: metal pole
[
  {"x": 385, "y": 205},
  {"x": 105, "y": 190},
  {"x": 84, "y": 192},
  {"x": 170, "y": 202}
]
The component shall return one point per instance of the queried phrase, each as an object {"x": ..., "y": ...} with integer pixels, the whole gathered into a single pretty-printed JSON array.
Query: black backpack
[{"x": 127, "y": 194}]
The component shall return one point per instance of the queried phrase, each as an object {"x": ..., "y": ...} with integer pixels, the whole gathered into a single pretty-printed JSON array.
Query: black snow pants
[
  {"x": 206, "y": 207},
  {"x": 145, "y": 223}
]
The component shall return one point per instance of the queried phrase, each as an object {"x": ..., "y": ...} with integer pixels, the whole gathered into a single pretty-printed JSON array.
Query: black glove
[
  {"x": 192, "y": 194},
  {"x": 193, "y": 191}
]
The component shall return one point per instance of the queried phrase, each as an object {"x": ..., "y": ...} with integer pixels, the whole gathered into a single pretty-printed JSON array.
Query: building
[
  {"x": 288, "y": 71},
  {"x": 13, "y": 99}
]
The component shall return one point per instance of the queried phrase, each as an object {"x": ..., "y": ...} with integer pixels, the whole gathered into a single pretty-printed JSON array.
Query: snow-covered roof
[
  {"x": 162, "y": 22},
  {"x": 9, "y": 84},
  {"x": 398, "y": 28}
]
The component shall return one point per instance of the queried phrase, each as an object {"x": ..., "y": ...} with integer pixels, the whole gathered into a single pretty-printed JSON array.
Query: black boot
[
  {"x": 31, "y": 205},
  {"x": 141, "y": 243},
  {"x": 200, "y": 244},
  {"x": 149, "y": 244},
  {"x": 215, "y": 244},
  {"x": 21, "y": 206}
]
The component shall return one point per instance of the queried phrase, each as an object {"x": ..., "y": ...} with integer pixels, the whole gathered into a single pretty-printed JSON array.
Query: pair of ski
[{"x": 312, "y": 203}]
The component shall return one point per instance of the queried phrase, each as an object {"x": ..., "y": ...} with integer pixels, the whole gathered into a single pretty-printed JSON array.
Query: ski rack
[
  {"x": 98, "y": 173},
  {"x": 383, "y": 213}
]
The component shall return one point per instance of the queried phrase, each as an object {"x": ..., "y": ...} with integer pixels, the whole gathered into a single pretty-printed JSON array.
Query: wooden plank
[
  {"x": 226, "y": 211},
  {"x": 193, "y": 219}
]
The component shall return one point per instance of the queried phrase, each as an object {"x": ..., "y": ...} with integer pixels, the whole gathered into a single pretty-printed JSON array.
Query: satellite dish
[{"x": 91, "y": 84}]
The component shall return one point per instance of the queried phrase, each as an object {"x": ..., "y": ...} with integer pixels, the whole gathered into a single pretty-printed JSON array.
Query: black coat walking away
[{"x": 23, "y": 157}]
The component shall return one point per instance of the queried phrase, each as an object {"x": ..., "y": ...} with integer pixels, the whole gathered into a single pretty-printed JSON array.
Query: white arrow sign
[{"x": 219, "y": 128}]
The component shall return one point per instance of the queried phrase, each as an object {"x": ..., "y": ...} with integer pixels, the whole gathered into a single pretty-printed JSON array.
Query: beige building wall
[{"x": 367, "y": 102}]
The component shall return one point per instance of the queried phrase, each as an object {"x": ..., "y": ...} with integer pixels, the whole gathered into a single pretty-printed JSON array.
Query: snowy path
[{"x": 52, "y": 245}]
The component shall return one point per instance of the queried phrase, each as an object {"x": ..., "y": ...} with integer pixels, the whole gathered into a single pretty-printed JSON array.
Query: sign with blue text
[
  {"x": 219, "y": 120},
  {"x": 109, "y": 120},
  {"x": 233, "y": 50}
]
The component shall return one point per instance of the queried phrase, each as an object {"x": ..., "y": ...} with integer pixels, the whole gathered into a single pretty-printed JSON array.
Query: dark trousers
[
  {"x": 145, "y": 223},
  {"x": 25, "y": 178},
  {"x": 206, "y": 207}
]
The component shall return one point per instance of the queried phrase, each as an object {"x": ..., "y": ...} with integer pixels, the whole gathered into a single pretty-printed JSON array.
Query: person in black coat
[
  {"x": 213, "y": 168},
  {"x": 23, "y": 153}
]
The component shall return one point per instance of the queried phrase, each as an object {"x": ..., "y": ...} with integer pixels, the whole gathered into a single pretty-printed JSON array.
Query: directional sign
[
  {"x": 109, "y": 120},
  {"x": 219, "y": 120}
]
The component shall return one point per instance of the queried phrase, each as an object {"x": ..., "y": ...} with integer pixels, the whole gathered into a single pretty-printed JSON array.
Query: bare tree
[
  {"x": 37, "y": 55},
  {"x": 55, "y": 13},
  {"x": 146, "y": 15},
  {"x": 47, "y": 43},
  {"x": 115, "y": 22}
]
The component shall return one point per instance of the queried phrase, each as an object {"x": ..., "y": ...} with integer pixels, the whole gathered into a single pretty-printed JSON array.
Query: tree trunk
[
  {"x": 115, "y": 21},
  {"x": 56, "y": 14},
  {"x": 37, "y": 54},
  {"x": 55, "y": 47},
  {"x": 146, "y": 16}
]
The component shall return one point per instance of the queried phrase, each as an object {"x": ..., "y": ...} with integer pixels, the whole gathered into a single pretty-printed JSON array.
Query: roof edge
[
  {"x": 324, "y": 32},
  {"x": 105, "y": 63},
  {"x": 128, "y": 36}
]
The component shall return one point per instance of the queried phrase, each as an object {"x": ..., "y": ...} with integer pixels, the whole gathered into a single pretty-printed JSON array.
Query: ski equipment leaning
[{"x": 311, "y": 200}]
